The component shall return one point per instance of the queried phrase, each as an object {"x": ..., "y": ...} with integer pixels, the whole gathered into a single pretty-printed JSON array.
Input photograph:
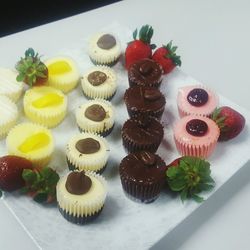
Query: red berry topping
[
  {"x": 196, "y": 127},
  {"x": 197, "y": 97}
]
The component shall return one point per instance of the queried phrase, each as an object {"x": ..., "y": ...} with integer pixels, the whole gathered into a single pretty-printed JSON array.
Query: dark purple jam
[
  {"x": 197, "y": 97},
  {"x": 197, "y": 127}
]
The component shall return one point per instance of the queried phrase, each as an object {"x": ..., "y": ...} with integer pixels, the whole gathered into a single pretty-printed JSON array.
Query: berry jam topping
[
  {"x": 196, "y": 127},
  {"x": 197, "y": 97}
]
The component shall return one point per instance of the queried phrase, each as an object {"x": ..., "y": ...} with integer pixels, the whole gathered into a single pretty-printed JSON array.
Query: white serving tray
[{"x": 123, "y": 224}]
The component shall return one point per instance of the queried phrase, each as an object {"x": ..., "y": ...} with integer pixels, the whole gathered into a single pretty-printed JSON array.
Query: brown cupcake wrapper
[
  {"x": 141, "y": 192},
  {"x": 72, "y": 167},
  {"x": 202, "y": 151},
  {"x": 81, "y": 220},
  {"x": 103, "y": 133},
  {"x": 152, "y": 84},
  {"x": 131, "y": 146},
  {"x": 137, "y": 113}
]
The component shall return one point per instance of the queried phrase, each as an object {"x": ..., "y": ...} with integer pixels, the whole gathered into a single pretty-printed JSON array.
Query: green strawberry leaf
[
  {"x": 29, "y": 175},
  {"x": 197, "y": 198},
  {"x": 135, "y": 34},
  {"x": 1, "y": 193},
  {"x": 41, "y": 197}
]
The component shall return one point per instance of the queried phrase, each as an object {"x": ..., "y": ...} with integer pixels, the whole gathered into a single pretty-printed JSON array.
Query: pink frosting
[
  {"x": 200, "y": 146},
  {"x": 185, "y": 108}
]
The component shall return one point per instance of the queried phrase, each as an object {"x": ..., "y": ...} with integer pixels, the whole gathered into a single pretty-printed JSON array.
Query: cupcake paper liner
[
  {"x": 86, "y": 125},
  {"x": 95, "y": 163},
  {"x": 141, "y": 192},
  {"x": 40, "y": 159},
  {"x": 103, "y": 91},
  {"x": 82, "y": 208},
  {"x": 9, "y": 115}
]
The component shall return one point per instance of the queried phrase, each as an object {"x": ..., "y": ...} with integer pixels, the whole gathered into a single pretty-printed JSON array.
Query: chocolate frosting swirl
[
  {"x": 88, "y": 146},
  {"x": 106, "y": 42},
  {"x": 95, "y": 113},
  {"x": 78, "y": 183}
]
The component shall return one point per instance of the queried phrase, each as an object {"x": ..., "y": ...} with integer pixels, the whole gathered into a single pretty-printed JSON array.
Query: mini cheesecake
[
  {"x": 45, "y": 105},
  {"x": 99, "y": 82},
  {"x": 196, "y": 100},
  {"x": 63, "y": 73},
  {"x": 81, "y": 196},
  {"x": 196, "y": 135},
  {"x": 95, "y": 116},
  {"x": 8, "y": 115},
  {"x": 9, "y": 86},
  {"x": 104, "y": 49},
  {"x": 86, "y": 151},
  {"x": 31, "y": 141}
]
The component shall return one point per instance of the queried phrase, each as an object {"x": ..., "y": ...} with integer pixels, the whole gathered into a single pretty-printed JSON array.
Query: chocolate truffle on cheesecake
[
  {"x": 81, "y": 196},
  {"x": 87, "y": 151},
  {"x": 144, "y": 101},
  {"x": 95, "y": 116},
  {"x": 142, "y": 175},
  {"x": 145, "y": 72}
]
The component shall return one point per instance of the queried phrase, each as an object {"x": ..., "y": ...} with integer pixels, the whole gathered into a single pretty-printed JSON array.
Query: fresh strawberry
[
  {"x": 139, "y": 48},
  {"x": 230, "y": 122},
  {"x": 11, "y": 168},
  {"x": 175, "y": 162},
  {"x": 31, "y": 69},
  {"x": 167, "y": 57}
]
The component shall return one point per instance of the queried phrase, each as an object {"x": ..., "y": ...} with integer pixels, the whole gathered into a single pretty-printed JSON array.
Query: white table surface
[{"x": 213, "y": 39}]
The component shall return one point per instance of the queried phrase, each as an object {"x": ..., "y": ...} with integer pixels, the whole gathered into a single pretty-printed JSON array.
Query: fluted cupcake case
[
  {"x": 104, "y": 49},
  {"x": 95, "y": 116},
  {"x": 45, "y": 105},
  {"x": 8, "y": 115},
  {"x": 81, "y": 209},
  {"x": 199, "y": 146}
]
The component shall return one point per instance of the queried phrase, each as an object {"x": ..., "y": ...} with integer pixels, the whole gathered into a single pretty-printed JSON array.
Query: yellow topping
[
  {"x": 48, "y": 100},
  {"x": 59, "y": 67},
  {"x": 34, "y": 142}
]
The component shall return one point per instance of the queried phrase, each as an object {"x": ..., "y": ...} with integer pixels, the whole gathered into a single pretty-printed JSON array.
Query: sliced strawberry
[
  {"x": 11, "y": 168},
  {"x": 139, "y": 48},
  {"x": 230, "y": 122},
  {"x": 167, "y": 57}
]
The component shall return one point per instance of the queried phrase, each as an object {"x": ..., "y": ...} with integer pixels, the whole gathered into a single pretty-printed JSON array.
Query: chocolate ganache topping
[
  {"x": 106, "y": 42},
  {"x": 144, "y": 98},
  {"x": 145, "y": 72},
  {"x": 78, "y": 183},
  {"x": 143, "y": 167},
  {"x": 88, "y": 146},
  {"x": 196, "y": 127},
  {"x": 95, "y": 113},
  {"x": 97, "y": 78},
  {"x": 197, "y": 97}
]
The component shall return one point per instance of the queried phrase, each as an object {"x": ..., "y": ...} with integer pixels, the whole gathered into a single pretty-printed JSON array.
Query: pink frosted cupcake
[
  {"x": 196, "y": 100},
  {"x": 196, "y": 136}
]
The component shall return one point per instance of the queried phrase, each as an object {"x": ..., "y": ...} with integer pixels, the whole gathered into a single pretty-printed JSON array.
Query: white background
[{"x": 213, "y": 39}]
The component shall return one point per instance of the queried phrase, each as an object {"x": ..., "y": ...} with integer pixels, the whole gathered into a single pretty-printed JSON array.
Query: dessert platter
[{"x": 106, "y": 143}]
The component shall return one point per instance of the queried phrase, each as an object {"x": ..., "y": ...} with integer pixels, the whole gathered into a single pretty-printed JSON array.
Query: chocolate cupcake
[
  {"x": 81, "y": 196},
  {"x": 142, "y": 176},
  {"x": 144, "y": 102},
  {"x": 87, "y": 151},
  {"x": 142, "y": 134},
  {"x": 104, "y": 49},
  {"x": 95, "y": 116},
  {"x": 145, "y": 72}
]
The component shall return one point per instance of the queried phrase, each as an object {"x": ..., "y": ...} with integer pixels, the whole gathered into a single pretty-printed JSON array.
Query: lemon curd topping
[
  {"x": 34, "y": 142},
  {"x": 59, "y": 67},
  {"x": 48, "y": 100}
]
